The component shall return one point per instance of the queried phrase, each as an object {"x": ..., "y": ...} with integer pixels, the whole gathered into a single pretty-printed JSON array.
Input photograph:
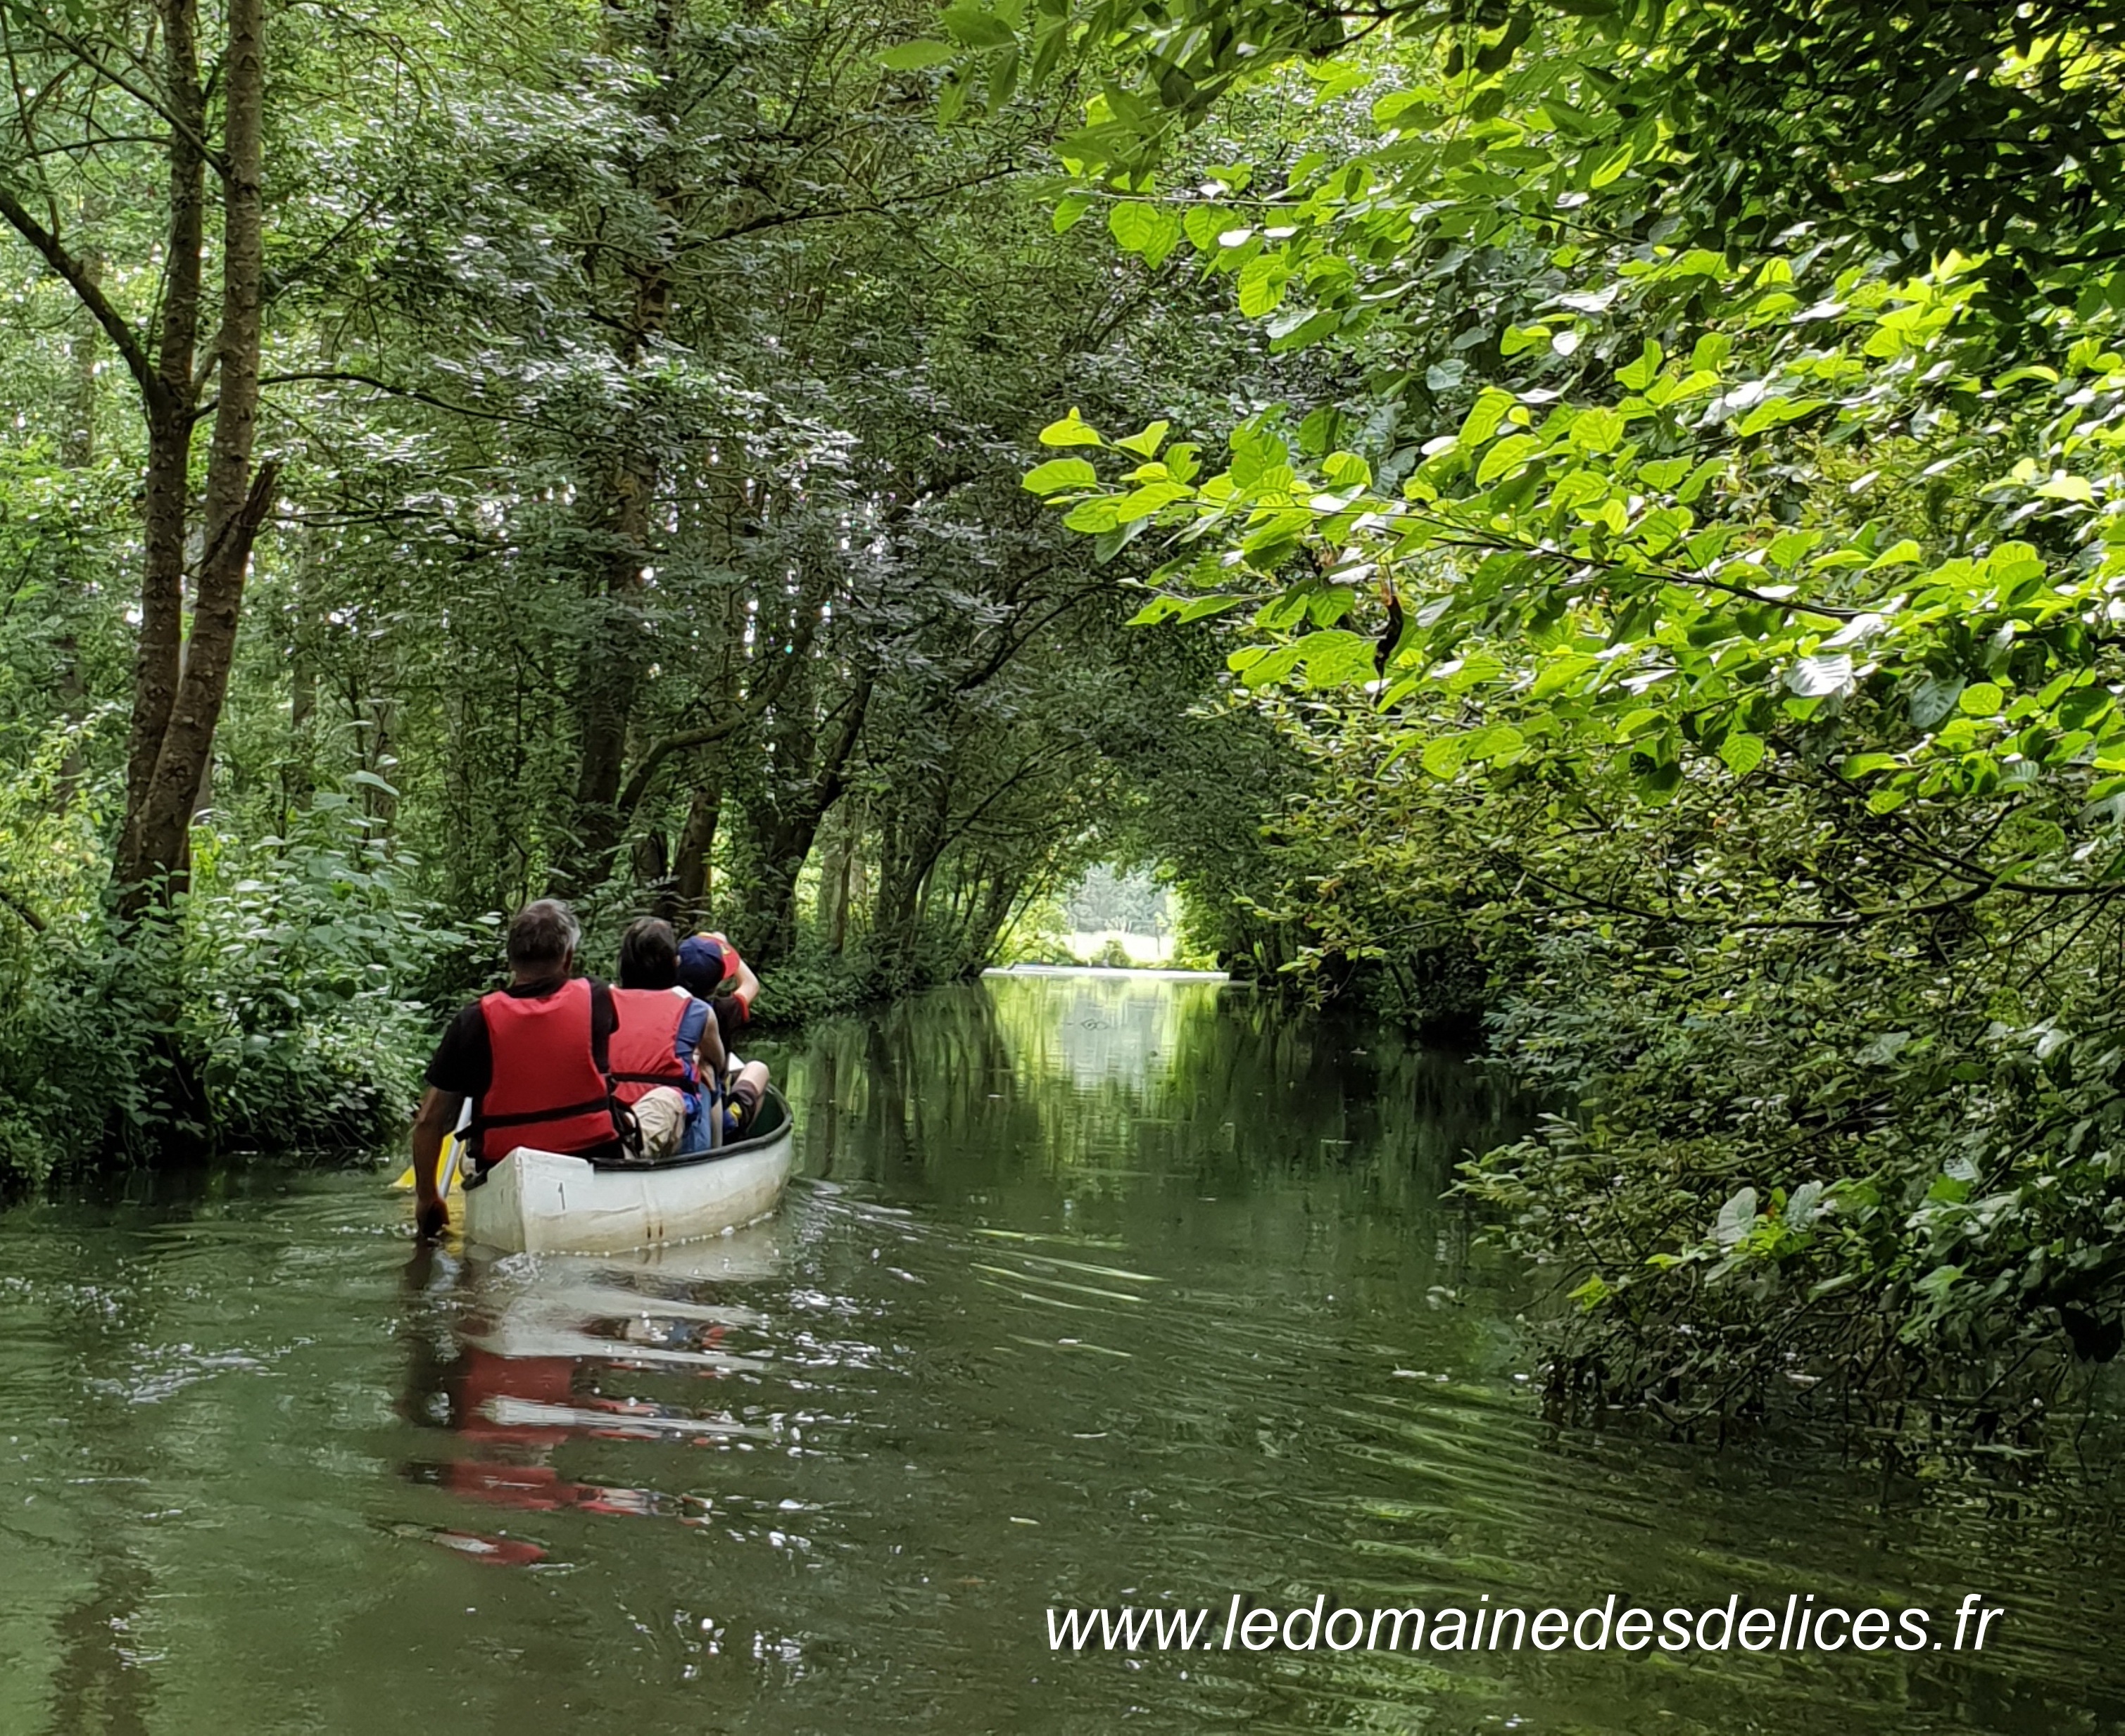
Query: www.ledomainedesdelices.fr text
[{"x": 1803, "y": 1624}]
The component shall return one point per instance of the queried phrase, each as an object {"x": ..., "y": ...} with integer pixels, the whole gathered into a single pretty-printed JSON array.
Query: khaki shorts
[{"x": 660, "y": 1113}]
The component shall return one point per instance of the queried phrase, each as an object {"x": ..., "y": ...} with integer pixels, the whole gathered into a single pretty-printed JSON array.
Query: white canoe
[{"x": 540, "y": 1201}]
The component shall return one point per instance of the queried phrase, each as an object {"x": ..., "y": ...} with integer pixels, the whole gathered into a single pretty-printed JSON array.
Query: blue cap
[{"x": 701, "y": 969}]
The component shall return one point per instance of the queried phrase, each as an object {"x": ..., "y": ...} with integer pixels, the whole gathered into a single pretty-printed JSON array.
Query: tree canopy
[
  {"x": 1681, "y": 520},
  {"x": 617, "y": 416}
]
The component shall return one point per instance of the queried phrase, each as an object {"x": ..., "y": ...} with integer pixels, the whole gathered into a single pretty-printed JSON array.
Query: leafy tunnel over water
[{"x": 1096, "y": 1290}]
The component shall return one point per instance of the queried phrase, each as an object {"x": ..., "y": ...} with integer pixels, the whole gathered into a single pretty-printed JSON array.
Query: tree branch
[
  {"x": 763, "y": 695},
  {"x": 78, "y": 278},
  {"x": 337, "y": 376},
  {"x": 80, "y": 50},
  {"x": 27, "y": 917}
]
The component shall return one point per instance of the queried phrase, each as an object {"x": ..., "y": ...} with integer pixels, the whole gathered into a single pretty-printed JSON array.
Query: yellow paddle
[{"x": 446, "y": 1160}]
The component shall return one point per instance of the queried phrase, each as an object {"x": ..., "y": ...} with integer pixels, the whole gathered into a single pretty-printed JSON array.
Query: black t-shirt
[{"x": 462, "y": 1064}]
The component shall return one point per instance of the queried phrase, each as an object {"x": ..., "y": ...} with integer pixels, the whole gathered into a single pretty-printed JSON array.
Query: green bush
[
  {"x": 300, "y": 955},
  {"x": 811, "y": 986},
  {"x": 276, "y": 1003},
  {"x": 1811, "y": 1166}
]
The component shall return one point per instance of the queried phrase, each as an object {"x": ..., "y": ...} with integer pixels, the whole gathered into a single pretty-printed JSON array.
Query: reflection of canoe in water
[{"x": 537, "y": 1201}]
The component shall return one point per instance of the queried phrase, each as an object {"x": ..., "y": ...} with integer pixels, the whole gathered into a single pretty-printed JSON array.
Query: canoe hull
[{"x": 541, "y": 1202}]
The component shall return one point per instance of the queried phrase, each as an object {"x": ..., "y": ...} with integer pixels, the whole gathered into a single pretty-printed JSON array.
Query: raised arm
[{"x": 746, "y": 985}]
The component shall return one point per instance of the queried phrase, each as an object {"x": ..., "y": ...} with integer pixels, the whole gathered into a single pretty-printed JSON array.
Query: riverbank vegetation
[
  {"x": 1692, "y": 570},
  {"x": 1595, "y": 527}
]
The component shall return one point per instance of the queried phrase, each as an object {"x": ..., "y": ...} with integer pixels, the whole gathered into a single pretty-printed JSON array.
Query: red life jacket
[
  {"x": 644, "y": 1048},
  {"x": 549, "y": 1089}
]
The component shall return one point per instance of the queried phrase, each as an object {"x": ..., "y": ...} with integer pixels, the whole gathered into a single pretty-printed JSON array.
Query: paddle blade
[{"x": 445, "y": 1167}]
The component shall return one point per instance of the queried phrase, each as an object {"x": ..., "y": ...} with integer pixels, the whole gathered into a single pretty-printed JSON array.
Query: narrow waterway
[{"x": 1096, "y": 1290}]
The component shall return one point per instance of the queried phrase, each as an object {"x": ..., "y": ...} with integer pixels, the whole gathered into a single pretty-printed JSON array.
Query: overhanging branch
[{"x": 78, "y": 278}]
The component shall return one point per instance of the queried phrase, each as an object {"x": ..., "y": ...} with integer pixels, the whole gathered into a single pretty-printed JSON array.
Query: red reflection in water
[{"x": 508, "y": 1413}]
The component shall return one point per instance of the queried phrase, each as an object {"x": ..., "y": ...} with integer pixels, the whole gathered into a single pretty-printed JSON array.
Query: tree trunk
[
  {"x": 611, "y": 666},
  {"x": 169, "y": 400},
  {"x": 300, "y": 782},
  {"x": 379, "y": 754},
  {"x": 697, "y": 843},
  {"x": 237, "y": 499},
  {"x": 78, "y": 452},
  {"x": 834, "y": 881},
  {"x": 784, "y": 846},
  {"x": 914, "y": 843},
  {"x": 608, "y": 676},
  {"x": 1003, "y": 893},
  {"x": 787, "y": 826}
]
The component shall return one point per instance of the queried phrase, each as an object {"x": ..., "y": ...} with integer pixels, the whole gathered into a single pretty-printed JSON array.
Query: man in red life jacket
[{"x": 533, "y": 1057}]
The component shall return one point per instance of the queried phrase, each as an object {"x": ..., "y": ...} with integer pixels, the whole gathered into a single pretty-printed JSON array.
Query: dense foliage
[
  {"x": 629, "y": 508},
  {"x": 1693, "y": 570},
  {"x": 1621, "y": 505}
]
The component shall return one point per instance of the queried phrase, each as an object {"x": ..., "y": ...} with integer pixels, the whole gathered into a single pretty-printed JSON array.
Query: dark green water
[{"x": 1097, "y": 1290}]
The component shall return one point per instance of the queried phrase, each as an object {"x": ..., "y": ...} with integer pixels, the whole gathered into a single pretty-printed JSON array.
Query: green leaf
[
  {"x": 1059, "y": 473},
  {"x": 1146, "y": 443},
  {"x": 1346, "y": 470},
  {"x": 907, "y": 57},
  {"x": 2068, "y": 488},
  {"x": 1982, "y": 699},
  {"x": 1775, "y": 413},
  {"x": 1276, "y": 666},
  {"x": 1639, "y": 375},
  {"x": 1484, "y": 419},
  {"x": 1336, "y": 658},
  {"x": 1072, "y": 430},
  {"x": 1742, "y": 752},
  {"x": 1181, "y": 610},
  {"x": 1933, "y": 700},
  {"x": 1445, "y": 755},
  {"x": 1611, "y": 164},
  {"x": 975, "y": 28},
  {"x": 1510, "y": 453},
  {"x": 1152, "y": 498},
  {"x": 1700, "y": 478},
  {"x": 1736, "y": 1217},
  {"x": 1597, "y": 431},
  {"x": 1202, "y": 225},
  {"x": 1658, "y": 783},
  {"x": 1148, "y": 230},
  {"x": 1070, "y": 211},
  {"x": 1263, "y": 281}
]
